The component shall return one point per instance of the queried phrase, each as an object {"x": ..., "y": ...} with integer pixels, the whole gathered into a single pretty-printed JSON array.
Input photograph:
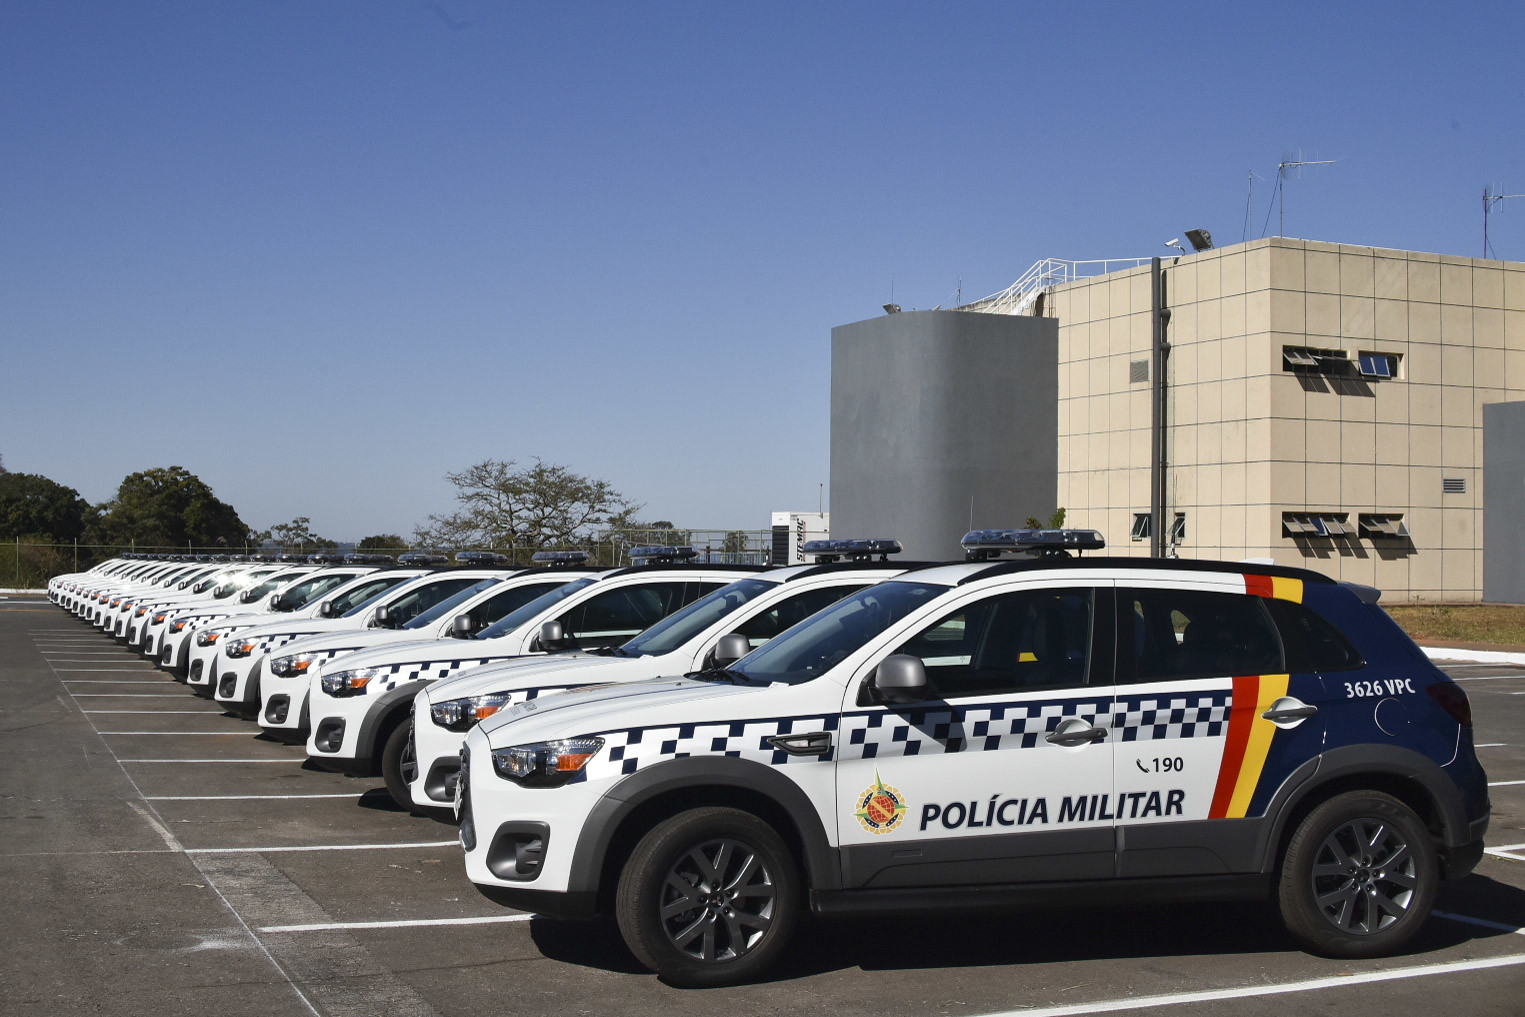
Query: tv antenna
[
  {"x": 1281, "y": 183},
  {"x": 1249, "y": 200},
  {"x": 1489, "y": 200}
]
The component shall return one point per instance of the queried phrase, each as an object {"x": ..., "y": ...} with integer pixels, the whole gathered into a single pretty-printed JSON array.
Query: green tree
[
  {"x": 168, "y": 507},
  {"x": 505, "y": 507},
  {"x": 382, "y": 542},
  {"x": 296, "y": 534},
  {"x": 1055, "y": 523},
  {"x": 33, "y": 505}
]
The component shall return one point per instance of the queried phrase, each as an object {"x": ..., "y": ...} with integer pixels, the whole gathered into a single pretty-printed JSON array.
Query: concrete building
[
  {"x": 941, "y": 421},
  {"x": 1323, "y": 407}
]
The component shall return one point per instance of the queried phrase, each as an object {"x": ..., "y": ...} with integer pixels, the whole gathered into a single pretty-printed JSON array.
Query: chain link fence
[{"x": 28, "y": 565}]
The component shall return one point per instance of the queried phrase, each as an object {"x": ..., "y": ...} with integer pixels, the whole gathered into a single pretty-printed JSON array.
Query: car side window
[
  {"x": 1178, "y": 634},
  {"x": 411, "y": 605},
  {"x": 1312, "y": 644},
  {"x": 764, "y": 626},
  {"x": 1013, "y": 642},
  {"x": 495, "y": 607},
  {"x": 613, "y": 617}
]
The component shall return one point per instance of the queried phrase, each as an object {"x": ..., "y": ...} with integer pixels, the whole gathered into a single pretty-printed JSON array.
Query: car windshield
[
  {"x": 529, "y": 611},
  {"x": 815, "y": 646},
  {"x": 449, "y": 604},
  {"x": 676, "y": 629}
]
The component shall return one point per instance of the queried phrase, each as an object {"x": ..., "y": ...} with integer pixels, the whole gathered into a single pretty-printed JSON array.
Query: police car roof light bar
[
  {"x": 982, "y": 545},
  {"x": 661, "y": 554},
  {"x": 560, "y": 557},
  {"x": 481, "y": 558},
  {"x": 861, "y": 549}
]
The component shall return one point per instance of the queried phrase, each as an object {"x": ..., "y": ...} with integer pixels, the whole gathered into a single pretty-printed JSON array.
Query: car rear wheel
[
  {"x": 708, "y": 897},
  {"x": 1359, "y": 877}
]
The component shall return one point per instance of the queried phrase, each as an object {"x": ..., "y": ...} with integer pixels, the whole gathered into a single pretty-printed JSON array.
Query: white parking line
[
  {"x": 1249, "y": 991},
  {"x": 300, "y": 759},
  {"x": 1485, "y": 677},
  {"x": 1504, "y": 783},
  {"x": 179, "y": 734},
  {"x": 90, "y": 670},
  {"x": 406, "y": 924},
  {"x": 321, "y": 847},
  {"x": 128, "y": 695},
  {"x": 1491, "y": 745},
  {"x": 1509, "y": 851},
  {"x": 161, "y": 713},
  {"x": 243, "y": 798},
  {"x": 112, "y": 681}
]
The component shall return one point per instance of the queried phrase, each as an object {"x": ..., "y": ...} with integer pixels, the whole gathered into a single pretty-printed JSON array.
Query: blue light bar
[
  {"x": 421, "y": 558},
  {"x": 481, "y": 558},
  {"x": 325, "y": 558},
  {"x": 560, "y": 557},
  {"x": 827, "y": 551},
  {"x": 656, "y": 554},
  {"x": 980, "y": 545},
  {"x": 369, "y": 559}
]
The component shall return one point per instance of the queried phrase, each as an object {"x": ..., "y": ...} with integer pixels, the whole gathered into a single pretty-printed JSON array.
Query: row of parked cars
[{"x": 703, "y": 751}]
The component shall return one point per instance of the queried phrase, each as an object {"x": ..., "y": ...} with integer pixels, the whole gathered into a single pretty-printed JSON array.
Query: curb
[
  {"x": 1474, "y": 656},
  {"x": 39, "y": 593}
]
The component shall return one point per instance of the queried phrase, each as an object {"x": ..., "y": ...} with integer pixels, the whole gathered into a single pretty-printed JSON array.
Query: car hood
[{"x": 604, "y": 708}]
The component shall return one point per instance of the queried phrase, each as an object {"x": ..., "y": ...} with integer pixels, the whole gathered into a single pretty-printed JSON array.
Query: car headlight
[
  {"x": 545, "y": 764},
  {"x": 292, "y": 665},
  {"x": 159, "y": 618},
  {"x": 179, "y": 624},
  {"x": 465, "y": 714},
  {"x": 349, "y": 683},
  {"x": 206, "y": 637},
  {"x": 236, "y": 648},
  {"x": 142, "y": 611}
]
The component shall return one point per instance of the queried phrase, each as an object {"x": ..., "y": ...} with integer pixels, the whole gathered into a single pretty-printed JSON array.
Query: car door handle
[
  {"x": 816, "y": 743},
  {"x": 1075, "y": 731},
  {"x": 1289, "y": 712}
]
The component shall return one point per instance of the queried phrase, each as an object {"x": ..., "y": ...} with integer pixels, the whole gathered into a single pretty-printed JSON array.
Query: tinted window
[
  {"x": 681, "y": 626},
  {"x": 443, "y": 607},
  {"x": 304, "y": 593},
  {"x": 409, "y": 605},
  {"x": 1007, "y": 643},
  {"x": 762, "y": 627},
  {"x": 612, "y": 617},
  {"x": 1311, "y": 643},
  {"x": 362, "y": 594},
  {"x": 495, "y": 607},
  {"x": 1197, "y": 634},
  {"x": 523, "y": 615}
]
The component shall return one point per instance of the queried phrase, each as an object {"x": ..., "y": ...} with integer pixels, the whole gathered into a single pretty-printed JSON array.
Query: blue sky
[{"x": 320, "y": 253}]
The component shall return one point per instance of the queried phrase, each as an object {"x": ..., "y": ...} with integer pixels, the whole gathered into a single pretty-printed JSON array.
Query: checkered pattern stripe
[
  {"x": 627, "y": 751},
  {"x": 429, "y": 670},
  {"x": 983, "y": 727},
  {"x": 878, "y": 734},
  {"x": 1185, "y": 715},
  {"x": 279, "y": 640}
]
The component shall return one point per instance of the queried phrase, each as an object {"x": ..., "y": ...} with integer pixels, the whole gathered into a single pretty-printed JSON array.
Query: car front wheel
[
  {"x": 709, "y": 897},
  {"x": 1359, "y": 877},
  {"x": 398, "y": 765}
]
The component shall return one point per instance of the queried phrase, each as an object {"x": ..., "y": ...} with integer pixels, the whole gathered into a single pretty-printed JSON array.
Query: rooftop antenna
[
  {"x": 1491, "y": 198},
  {"x": 1249, "y": 201},
  {"x": 1281, "y": 182}
]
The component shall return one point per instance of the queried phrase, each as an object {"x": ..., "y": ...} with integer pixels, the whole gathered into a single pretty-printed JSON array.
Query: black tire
[
  {"x": 732, "y": 930},
  {"x": 396, "y": 761},
  {"x": 1359, "y": 876}
]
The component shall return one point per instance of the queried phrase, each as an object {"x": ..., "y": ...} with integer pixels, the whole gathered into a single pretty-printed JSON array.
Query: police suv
[
  {"x": 404, "y": 614},
  {"x": 362, "y": 703},
  {"x": 997, "y": 733},
  {"x": 711, "y": 632}
]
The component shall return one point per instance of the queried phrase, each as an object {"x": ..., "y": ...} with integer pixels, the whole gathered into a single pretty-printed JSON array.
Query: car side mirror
[
  {"x": 274, "y": 602},
  {"x": 551, "y": 636},
  {"x": 381, "y": 618},
  {"x": 901, "y": 678},
  {"x": 326, "y": 609},
  {"x": 461, "y": 627},
  {"x": 731, "y": 648}
]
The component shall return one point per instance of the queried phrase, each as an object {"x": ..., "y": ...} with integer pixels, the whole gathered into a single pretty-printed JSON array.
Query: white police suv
[
  {"x": 997, "y": 733},
  {"x": 403, "y": 614},
  {"x": 361, "y": 703},
  {"x": 714, "y": 631}
]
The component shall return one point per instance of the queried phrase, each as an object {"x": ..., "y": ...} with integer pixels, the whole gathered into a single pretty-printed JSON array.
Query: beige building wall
[{"x": 1249, "y": 440}]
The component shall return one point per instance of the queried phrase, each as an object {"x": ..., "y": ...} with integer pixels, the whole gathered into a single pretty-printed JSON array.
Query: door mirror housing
[
  {"x": 551, "y": 636},
  {"x": 461, "y": 627},
  {"x": 381, "y": 618},
  {"x": 326, "y": 609},
  {"x": 900, "y": 678},
  {"x": 731, "y": 648}
]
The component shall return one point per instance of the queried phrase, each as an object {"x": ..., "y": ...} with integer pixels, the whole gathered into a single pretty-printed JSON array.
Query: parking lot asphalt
[{"x": 157, "y": 856}]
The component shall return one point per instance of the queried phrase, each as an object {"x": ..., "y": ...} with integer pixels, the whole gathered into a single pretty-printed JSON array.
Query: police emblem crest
[{"x": 881, "y": 807}]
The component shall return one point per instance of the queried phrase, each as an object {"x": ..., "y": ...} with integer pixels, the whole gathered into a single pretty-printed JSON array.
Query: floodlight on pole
[{"x": 1201, "y": 239}]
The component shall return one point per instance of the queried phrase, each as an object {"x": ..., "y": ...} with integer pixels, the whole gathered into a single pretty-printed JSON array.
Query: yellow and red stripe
[
  {"x": 1278, "y": 587},
  {"x": 1248, "y": 744}
]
